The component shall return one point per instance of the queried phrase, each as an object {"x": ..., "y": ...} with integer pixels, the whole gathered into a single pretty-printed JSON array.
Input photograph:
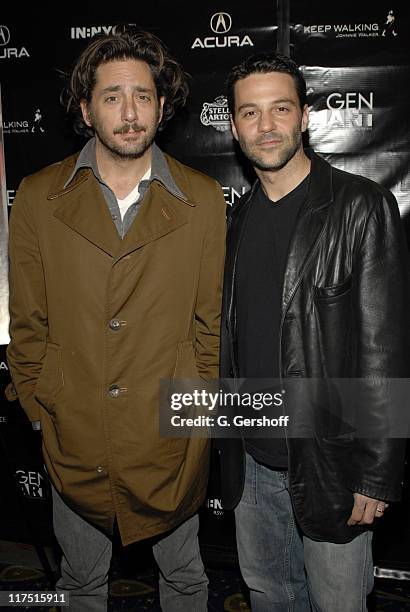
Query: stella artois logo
[{"x": 216, "y": 114}]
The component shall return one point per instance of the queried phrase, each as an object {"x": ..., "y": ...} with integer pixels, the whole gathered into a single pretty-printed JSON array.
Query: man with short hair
[
  {"x": 316, "y": 287},
  {"x": 116, "y": 259}
]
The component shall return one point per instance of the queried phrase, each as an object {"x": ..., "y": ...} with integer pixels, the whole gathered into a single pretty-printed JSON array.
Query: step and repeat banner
[{"x": 356, "y": 61}]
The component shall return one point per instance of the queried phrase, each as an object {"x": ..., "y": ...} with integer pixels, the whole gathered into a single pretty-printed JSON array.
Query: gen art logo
[
  {"x": 348, "y": 110},
  {"x": 31, "y": 484}
]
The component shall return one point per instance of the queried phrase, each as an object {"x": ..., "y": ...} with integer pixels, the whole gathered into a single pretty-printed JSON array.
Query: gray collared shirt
[{"x": 159, "y": 172}]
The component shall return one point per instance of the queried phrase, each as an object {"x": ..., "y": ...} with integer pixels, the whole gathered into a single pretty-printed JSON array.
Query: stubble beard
[
  {"x": 130, "y": 150},
  {"x": 283, "y": 155}
]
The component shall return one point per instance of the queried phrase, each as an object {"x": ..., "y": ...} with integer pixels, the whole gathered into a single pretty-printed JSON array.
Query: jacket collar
[
  {"x": 309, "y": 227},
  {"x": 320, "y": 192},
  {"x": 86, "y": 159}
]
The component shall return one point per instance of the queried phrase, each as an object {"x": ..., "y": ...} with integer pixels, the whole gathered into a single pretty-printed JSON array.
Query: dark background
[{"x": 359, "y": 97}]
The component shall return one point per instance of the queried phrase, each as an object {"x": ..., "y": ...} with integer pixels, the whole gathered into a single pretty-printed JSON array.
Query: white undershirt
[{"x": 132, "y": 196}]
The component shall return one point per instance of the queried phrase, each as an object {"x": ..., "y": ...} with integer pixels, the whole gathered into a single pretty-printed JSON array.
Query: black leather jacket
[{"x": 345, "y": 313}]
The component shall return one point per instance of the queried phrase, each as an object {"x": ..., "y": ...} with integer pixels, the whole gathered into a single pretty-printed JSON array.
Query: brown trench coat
[{"x": 72, "y": 279}]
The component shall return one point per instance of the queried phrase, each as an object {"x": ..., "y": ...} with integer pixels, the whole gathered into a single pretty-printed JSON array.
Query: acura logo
[
  {"x": 221, "y": 23},
  {"x": 4, "y": 35}
]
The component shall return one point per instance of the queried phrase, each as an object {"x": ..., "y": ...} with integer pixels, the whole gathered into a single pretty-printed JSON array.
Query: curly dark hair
[
  {"x": 123, "y": 43},
  {"x": 263, "y": 63}
]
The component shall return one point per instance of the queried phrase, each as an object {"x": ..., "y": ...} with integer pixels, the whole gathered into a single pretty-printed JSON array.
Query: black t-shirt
[{"x": 258, "y": 295}]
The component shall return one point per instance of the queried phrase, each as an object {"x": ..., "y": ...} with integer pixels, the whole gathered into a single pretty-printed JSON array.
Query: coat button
[
  {"x": 114, "y": 390},
  {"x": 100, "y": 469},
  {"x": 115, "y": 324}
]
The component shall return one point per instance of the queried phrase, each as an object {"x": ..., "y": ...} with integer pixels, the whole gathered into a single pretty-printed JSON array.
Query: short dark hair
[
  {"x": 123, "y": 43},
  {"x": 264, "y": 63}
]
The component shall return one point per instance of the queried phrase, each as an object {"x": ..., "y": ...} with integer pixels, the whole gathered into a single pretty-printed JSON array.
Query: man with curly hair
[{"x": 116, "y": 258}]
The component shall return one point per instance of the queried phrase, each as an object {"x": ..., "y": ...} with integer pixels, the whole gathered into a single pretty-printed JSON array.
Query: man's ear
[
  {"x": 161, "y": 103},
  {"x": 305, "y": 118},
  {"x": 233, "y": 128},
  {"x": 85, "y": 112}
]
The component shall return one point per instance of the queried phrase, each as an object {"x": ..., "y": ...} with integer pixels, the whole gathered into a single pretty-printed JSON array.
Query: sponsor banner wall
[
  {"x": 356, "y": 61},
  {"x": 355, "y": 58},
  {"x": 355, "y": 119}
]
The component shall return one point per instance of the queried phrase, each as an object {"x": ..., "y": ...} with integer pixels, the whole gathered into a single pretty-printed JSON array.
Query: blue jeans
[
  {"x": 183, "y": 584},
  {"x": 287, "y": 571}
]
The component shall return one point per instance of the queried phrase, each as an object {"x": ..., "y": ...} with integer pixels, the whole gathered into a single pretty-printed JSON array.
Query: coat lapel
[
  {"x": 160, "y": 214},
  {"x": 309, "y": 227},
  {"x": 82, "y": 207},
  {"x": 236, "y": 224}
]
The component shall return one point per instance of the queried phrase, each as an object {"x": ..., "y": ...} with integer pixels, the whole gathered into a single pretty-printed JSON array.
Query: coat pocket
[
  {"x": 333, "y": 293},
  {"x": 335, "y": 319},
  {"x": 51, "y": 379},
  {"x": 185, "y": 363},
  {"x": 185, "y": 377}
]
